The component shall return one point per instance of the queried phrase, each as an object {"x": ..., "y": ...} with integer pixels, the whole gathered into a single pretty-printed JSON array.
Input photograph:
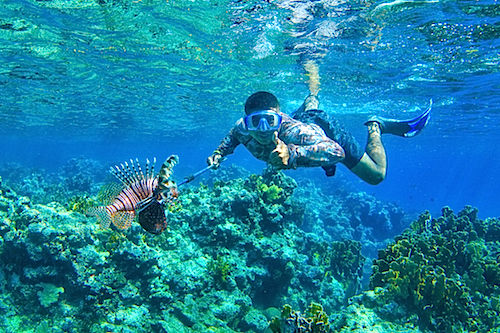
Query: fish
[{"x": 141, "y": 196}]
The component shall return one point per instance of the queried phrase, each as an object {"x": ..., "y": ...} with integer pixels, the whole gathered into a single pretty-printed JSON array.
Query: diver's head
[
  {"x": 262, "y": 117},
  {"x": 261, "y": 100}
]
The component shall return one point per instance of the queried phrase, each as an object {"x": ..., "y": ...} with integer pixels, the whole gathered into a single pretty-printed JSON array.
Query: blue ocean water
[
  {"x": 111, "y": 80},
  {"x": 86, "y": 84}
]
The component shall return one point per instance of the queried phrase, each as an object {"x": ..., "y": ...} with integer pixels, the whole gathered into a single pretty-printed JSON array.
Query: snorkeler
[{"x": 311, "y": 138}]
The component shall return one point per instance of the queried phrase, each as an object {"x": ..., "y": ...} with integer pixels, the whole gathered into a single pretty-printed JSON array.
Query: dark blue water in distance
[{"x": 152, "y": 78}]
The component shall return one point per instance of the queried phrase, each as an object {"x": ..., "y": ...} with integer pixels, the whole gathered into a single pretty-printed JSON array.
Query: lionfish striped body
[{"x": 143, "y": 195}]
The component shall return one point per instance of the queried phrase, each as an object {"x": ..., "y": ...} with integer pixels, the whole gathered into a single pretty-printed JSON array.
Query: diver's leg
[
  {"x": 311, "y": 102},
  {"x": 312, "y": 73},
  {"x": 309, "y": 113},
  {"x": 373, "y": 164}
]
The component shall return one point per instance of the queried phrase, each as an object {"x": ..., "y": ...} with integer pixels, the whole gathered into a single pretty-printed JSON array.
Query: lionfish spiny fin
[
  {"x": 139, "y": 175},
  {"x": 131, "y": 178},
  {"x": 132, "y": 173},
  {"x": 150, "y": 169},
  {"x": 118, "y": 173}
]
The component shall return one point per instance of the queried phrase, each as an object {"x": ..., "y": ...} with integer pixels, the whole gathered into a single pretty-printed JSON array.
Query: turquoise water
[
  {"x": 117, "y": 79},
  {"x": 109, "y": 80}
]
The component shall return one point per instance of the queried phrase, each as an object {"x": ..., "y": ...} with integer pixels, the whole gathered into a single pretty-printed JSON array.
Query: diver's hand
[
  {"x": 280, "y": 155},
  {"x": 214, "y": 160}
]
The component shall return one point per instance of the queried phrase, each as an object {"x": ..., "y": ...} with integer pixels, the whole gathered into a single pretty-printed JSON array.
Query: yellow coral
[{"x": 270, "y": 193}]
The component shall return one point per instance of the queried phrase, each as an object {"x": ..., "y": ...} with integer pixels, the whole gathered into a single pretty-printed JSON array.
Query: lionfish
[{"x": 142, "y": 196}]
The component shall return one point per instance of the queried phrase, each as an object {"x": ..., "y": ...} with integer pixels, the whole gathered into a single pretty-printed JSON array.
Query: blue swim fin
[{"x": 404, "y": 128}]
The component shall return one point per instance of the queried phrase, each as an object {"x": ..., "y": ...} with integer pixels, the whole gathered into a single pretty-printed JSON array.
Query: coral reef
[
  {"x": 446, "y": 270},
  {"x": 352, "y": 215},
  {"x": 81, "y": 203},
  {"x": 49, "y": 294},
  {"x": 80, "y": 174},
  {"x": 235, "y": 252},
  {"x": 341, "y": 259},
  {"x": 232, "y": 248},
  {"x": 380, "y": 217},
  {"x": 339, "y": 215},
  {"x": 76, "y": 178},
  {"x": 315, "y": 320}
]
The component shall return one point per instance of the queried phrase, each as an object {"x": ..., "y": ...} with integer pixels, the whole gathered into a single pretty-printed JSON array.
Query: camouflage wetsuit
[
  {"x": 334, "y": 130},
  {"x": 307, "y": 142}
]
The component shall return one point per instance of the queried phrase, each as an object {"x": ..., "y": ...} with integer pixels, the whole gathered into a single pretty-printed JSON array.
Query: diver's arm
[
  {"x": 226, "y": 147},
  {"x": 323, "y": 153},
  {"x": 308, "y": 146}
]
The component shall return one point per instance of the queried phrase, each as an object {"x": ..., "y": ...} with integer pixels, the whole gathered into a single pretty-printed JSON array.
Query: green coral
[
  {"x": 341, "y": 259},
  {"x": 446, "y": 270},
  {"x": 315, "y": 320},
  {"x": 270, "y": 193},
  {"x": 49, "y": 294},
  {"x": 271, "y": 188},
  {"x": 81, "y": 203},
  {"x": 220, "y": 269},
  {"x": 345, "y": 259}
]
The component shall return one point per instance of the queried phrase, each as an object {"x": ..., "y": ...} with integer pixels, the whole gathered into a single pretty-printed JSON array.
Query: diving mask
[{"x": 262, "y": 121}]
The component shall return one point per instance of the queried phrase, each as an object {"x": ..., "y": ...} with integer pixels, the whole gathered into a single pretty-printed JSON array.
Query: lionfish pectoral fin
[
  {"x": 143, "y": 204},
  {"x": 167, "y": 188},
  {"x": 166, "y": 170},
  {"x": 153, "y": 218},
  {"x": 101, "y": 214},
  {"x": 169, "y": 192},
  {"x": 108, "y": 192},
  {"x": 122, "y": 220}
]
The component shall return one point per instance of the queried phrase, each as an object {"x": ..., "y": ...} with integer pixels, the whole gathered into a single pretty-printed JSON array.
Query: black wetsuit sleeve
[{"x": 335, "y": 131}]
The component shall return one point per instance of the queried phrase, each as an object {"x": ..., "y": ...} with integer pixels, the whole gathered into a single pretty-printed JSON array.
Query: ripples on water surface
[{"x": 169, "y": 73}]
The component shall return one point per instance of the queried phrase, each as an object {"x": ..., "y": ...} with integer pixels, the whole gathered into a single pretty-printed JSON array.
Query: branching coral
[
  {"x": 446, "y": 270},
  {"x": 315, "y": 320},
  {"x": 81, "y": 203},
  {"x": 220, "y": 269},
  {"x": 268, "y": 192},
  {"x": 341, "y": 259}
]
